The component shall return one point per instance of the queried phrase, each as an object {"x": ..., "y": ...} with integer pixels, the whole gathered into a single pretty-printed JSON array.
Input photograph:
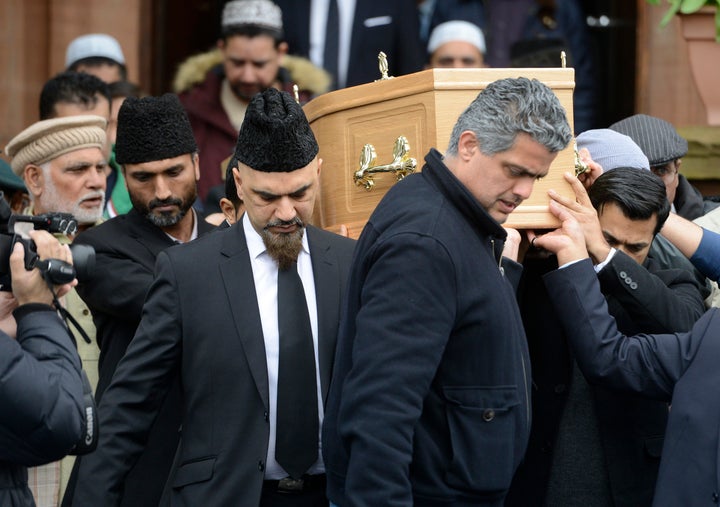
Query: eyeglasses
[{"x": 667, "y": 172}]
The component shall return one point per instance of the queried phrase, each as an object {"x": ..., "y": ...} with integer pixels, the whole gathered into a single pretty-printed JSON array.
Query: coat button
[
  {"x": 266, "y": 416},
  {"x": 623, "y": 274},
  {"x": 488, "y": 415},
  {"x": 261, "y": 466},
  {"x": 628, "y": 280},
  {"x": 86, "y": 311},
  {"x": 633, "y": 285},
  {"x": 715, "y": 497}
]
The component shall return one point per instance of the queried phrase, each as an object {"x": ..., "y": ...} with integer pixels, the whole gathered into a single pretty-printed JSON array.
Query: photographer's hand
[{"x": 30, "y": 286}]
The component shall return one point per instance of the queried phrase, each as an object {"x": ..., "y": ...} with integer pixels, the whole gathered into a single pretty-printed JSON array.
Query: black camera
[{"x": 13, "y": 229}]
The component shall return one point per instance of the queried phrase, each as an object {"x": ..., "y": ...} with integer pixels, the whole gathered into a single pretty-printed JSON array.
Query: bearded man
[
  {"x": 253, "y": 342},
  {"x": 158, "y": 155},
  {"x": 62, "y": 164}
]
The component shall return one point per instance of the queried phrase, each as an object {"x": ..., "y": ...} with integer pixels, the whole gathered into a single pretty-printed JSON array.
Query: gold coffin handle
[{"x": 402, "y": 164}]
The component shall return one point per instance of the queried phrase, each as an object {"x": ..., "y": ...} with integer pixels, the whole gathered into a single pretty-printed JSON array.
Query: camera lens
[{"x": 83, "y": 261}]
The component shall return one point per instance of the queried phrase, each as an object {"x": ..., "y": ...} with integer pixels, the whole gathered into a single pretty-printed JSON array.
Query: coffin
[{"x": 422, "y": 108}]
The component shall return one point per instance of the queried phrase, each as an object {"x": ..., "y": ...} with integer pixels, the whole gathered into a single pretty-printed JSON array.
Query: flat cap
[
  {"x": 48, "y": 139},
  {"x": 8, "y": 179},
  {"x": 657, "y": 138}
]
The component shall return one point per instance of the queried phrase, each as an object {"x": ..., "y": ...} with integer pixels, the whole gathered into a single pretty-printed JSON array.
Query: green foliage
[{"x": 688, "y": 7}]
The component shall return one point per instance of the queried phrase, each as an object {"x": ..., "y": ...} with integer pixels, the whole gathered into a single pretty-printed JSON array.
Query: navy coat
[
  {"x": 41, "y": 399},
  {"x": 681, "y": 368}
]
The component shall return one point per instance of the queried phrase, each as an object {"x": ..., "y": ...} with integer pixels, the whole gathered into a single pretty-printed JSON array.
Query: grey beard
[{"x": 163, "y": 220}]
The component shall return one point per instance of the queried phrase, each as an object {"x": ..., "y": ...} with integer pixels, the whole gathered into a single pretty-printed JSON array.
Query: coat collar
[{"x": 460, "y": 197}]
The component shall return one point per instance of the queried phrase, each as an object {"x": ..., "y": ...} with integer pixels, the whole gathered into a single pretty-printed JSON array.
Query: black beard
[
  {"x": 283, "y": 247},
  {"x": 165, "y": 219}
]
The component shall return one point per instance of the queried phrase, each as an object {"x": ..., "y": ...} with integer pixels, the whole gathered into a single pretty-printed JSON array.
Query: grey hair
[{"x": 510, "y": 106}]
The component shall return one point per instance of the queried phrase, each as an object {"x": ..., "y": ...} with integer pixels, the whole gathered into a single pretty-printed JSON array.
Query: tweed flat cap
[
  {"x": 275, "y": 135},
  {"x": 48, "y": 139},
  {"x": 252, "y": 12},
  {"x": 657, "y": 138},
  {"x": 612, "y": 149},
  {"x": 94, "y": 45},
  {"x": 152, "y": 128}
]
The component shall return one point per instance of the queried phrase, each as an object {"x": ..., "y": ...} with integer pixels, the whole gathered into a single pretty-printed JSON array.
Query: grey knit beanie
[{"x": 611, "y": 149}]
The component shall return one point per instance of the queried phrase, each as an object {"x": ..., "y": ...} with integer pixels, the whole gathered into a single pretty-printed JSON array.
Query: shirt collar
[{"x": 193, "y": 234}]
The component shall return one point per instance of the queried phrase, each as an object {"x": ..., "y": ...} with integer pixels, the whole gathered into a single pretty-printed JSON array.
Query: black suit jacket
[
  {"x": 126, "y": 248},
  {"x": 379, "y": 25},
  {"x": 201, "y": 318},
  {"x": 682, "y": 367},
  {"x": 644, "y": 299}
]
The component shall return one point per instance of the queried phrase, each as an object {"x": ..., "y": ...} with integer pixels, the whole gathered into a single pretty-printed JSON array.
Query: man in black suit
[
  {"x": 590, "y": 445},
  {"x": 156, "y": 148},
  {"x": 677, "y": 367},
  {"x": 217, "y": 313},
  {"x": 377, "y": 25}
]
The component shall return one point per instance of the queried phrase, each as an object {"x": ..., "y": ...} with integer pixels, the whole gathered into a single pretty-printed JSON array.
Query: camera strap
[
  {"x": 90, "y": 425},
  {"x": 66, "y": 315}
]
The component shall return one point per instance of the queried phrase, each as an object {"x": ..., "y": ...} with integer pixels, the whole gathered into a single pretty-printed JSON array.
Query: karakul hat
[
  {"x": 94, "y": 45},
  {"x": 152, "y": 128},
  {"x": 8, "y": 179},
  {"x": 657, "y": 138},
  {"x": 456, "y": 31},
  {"x": 612, "y": 149},
  {"x": 275, "y": 135},
  {"x": 252, "y": 12},
  {"x": 48, "y": 139}
]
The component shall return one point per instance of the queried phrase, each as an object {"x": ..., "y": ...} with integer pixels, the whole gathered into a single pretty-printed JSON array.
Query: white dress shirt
[
  {"x": 318, "y": 26},
  {"x": 265, "y": 275}
]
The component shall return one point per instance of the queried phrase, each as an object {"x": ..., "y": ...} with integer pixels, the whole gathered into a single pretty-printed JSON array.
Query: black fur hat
[
  {"x": 275, "y": 135},
  {"x": 152, "y": 128}
]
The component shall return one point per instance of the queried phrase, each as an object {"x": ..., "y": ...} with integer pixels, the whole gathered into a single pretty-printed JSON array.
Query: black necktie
[
  {"x": 296, "y": 439},
  {"x": 332, "y": 42}
]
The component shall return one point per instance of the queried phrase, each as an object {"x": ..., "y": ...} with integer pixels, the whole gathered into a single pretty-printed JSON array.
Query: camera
[{"x": 14, "y": 228}]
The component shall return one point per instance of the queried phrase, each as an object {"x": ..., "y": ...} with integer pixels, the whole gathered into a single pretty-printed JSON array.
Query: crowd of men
[{"x": 439, "y": 360}]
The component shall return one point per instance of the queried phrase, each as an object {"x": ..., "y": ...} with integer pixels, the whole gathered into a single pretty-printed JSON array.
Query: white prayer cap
[
  {"x": 456, "y": 31},
  {"x": 94, "y": 45},
  {"x": 252, "y": 12}
]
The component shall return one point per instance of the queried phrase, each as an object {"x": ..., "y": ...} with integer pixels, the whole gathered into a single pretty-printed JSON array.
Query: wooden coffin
[{"x": 422, "y": 107}]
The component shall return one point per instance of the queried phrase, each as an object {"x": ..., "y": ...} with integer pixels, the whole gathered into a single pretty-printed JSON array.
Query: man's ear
[
  {"x": 196, "y": 165},
  {"x": 238, "y": 183},
  {"x": 282, "y": 49},
  {"x": 34, "y": 178},
  {"x": 467, "y": 145},
  {"x": 228, "y": 210}
]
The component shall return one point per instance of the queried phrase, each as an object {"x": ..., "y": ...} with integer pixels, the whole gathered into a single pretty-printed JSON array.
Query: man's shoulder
[
  {"x": 121, "y": 224},
  {"x": 320, "y": 239},
  {"x": 108, "y": 228},
  {"x": 211, "y": 243}
]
